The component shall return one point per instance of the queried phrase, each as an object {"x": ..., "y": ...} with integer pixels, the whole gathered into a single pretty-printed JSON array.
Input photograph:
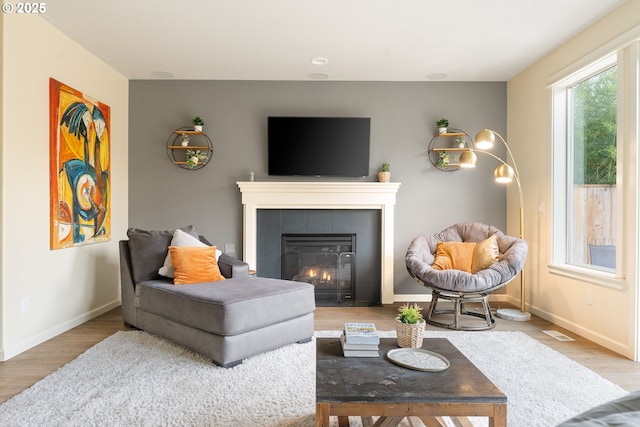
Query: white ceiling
[{"x": 363, "y": 40}]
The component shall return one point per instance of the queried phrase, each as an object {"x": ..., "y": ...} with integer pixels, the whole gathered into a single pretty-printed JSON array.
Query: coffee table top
[{"x": 376, "y": 379}]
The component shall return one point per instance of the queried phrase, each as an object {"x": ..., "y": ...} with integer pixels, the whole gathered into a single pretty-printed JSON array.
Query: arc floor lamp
[{"x": 504, "y": 173}]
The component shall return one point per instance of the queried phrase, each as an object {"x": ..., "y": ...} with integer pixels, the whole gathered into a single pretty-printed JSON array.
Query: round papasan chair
[{"x": 495, "y": 260}]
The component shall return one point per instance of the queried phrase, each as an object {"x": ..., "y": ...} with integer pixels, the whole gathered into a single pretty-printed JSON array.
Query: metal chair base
[{"x": 459, "y": 300}]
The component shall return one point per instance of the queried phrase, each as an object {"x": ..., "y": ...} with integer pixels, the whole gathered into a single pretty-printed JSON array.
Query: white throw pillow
[{"x": 180, "y": 238}]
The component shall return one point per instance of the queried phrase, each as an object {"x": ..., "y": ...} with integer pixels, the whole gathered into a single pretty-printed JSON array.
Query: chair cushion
[
  {"x": 454, "y": 255},
  {"x": 485, "y": 253},
  {"x": 421, "y": 256}
]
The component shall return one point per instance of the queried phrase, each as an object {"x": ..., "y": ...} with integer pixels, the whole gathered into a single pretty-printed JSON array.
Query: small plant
[
  {"x": 442, "y": 123},
  {"x": 197, "y": 121},
  {"x": 443, "y": 159},
  {"x": 385, "y": 167},
  {"x": 194, "y": 157},
  {"x": 410, "y": 313},
  {"x": 460, "y": 141}
]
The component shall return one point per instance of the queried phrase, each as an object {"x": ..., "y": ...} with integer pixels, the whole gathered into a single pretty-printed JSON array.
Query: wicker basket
[{"x": 410, "y": 335}]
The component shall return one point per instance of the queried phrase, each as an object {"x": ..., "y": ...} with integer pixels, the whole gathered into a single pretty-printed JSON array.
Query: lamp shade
[
  {"x": 485, "y": 139},
  {"x": 468, "y": 159},
  {"x": 503, "y": 174}
]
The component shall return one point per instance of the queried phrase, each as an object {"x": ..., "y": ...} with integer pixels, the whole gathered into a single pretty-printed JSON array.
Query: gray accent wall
[{"x": 403, "y": 115}]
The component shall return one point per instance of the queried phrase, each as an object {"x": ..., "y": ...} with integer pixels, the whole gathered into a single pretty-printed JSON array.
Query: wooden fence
[{"x": 594, "y": 219}]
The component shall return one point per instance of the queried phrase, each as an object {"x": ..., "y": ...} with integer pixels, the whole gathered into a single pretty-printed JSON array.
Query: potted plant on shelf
[
  {"x": 460, "y": 143},
  {"x": 194, "y": 157},
  {"x": 184, "y": 139},
  {"x": 443, "y": 159},
  {"x": 410, "y": 326},
  {"x": 385, "y": 174},
  {"x": 197, "y": 124},
  {"x": 442, "y": 125}
]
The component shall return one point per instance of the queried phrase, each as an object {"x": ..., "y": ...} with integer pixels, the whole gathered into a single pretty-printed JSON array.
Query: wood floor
[{"x": 22, "y": 371}]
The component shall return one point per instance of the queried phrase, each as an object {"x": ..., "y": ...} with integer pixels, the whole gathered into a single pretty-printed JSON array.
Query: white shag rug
[{"x": 135, "y": 379}]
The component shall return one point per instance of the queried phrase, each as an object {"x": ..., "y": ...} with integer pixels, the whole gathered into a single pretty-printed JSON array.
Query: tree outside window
[{"x": 592, "y": 145}]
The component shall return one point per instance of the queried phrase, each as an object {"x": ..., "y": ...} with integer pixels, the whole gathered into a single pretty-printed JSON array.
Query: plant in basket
[{"x": 410, "y": 326}]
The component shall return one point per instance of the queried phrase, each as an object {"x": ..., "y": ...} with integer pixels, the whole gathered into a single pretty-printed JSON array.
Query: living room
[{"x": 71, "y": 286}]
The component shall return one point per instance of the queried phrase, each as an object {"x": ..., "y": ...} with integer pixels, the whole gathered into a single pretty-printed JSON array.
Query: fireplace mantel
[{"x": 323, "y": 195}]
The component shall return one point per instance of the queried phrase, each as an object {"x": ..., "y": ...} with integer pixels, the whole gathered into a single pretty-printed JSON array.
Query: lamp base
[{"x": 513, "y": 314}]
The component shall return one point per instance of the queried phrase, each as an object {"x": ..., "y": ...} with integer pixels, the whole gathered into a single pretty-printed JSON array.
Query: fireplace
[
  {"x": 327, "y": 261},
  {"x": 273, "y": 195}
]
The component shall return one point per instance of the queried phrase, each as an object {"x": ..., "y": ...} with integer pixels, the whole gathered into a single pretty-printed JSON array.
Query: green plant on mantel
[
  {"x": 385, "y": 167},
  {"x": 410, "y": 313}
]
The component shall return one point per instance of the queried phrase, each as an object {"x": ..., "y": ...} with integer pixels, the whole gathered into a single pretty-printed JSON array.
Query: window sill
[{"x": 589, "y": 275}]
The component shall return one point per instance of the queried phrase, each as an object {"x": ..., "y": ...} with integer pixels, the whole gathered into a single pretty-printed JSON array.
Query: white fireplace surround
[{"x": 323, "y": 195}]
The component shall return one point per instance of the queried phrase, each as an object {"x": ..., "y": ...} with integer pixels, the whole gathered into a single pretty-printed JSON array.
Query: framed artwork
[{"x": 79, "y": 176}]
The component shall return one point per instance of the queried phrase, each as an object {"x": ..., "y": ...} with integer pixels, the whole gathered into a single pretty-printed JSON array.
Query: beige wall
[
  {"x": 65, "y": 287},
  {"x": 610, "y": 320}
]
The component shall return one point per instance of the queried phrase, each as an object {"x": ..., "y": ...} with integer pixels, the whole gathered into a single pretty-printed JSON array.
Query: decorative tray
[{"x": 418, "y": 359}]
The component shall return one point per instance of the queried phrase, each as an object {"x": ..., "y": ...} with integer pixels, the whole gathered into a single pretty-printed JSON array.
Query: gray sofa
[
  {"x": 226, "y": 321},
  {"x": 621, "y": 412}
]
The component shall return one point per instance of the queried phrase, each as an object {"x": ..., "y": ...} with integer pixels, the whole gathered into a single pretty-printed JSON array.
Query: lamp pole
[{"x": 504, "y": 173}]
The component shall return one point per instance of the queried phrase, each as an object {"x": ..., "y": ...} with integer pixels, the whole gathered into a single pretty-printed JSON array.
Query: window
[
  {"x": 591, "y": 230},
  {"x": 585, "y": 184}
]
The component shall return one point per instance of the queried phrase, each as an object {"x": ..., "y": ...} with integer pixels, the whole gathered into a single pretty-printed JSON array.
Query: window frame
[{"x": 562, "y": 171}]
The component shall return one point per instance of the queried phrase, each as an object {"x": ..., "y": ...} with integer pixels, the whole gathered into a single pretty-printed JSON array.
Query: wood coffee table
[{"x": 369, "y": 387}]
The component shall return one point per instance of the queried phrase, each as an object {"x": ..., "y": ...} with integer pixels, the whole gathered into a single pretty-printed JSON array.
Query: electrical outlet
[
  {"x": 589, "y": 298},
  {"x": 25, "y": 305}
]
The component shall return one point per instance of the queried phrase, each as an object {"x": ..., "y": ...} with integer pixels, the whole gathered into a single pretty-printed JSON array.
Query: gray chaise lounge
[{"x": 226, "y": 321}]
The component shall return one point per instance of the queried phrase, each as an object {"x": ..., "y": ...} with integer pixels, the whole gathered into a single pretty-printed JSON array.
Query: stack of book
[{"x": 360, "y": 340}]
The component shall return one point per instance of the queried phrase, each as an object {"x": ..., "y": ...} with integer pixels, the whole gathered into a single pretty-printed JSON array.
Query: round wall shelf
[
  {"x": 197, "y": 141},
  {"x": 444, "y": 150}
]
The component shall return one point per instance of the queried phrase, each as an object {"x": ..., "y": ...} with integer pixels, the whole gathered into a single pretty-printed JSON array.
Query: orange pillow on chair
[
  {"x": 454, "y": 255},
  {"x": 485, "y": 254},
  {"x": 194, "y": 265}
]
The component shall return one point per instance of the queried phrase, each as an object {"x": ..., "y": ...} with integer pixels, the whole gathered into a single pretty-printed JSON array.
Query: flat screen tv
[{"x": 319, "y": 146}]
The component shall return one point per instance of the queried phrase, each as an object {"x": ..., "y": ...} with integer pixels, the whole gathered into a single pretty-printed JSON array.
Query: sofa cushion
[
  {"x": 231, "y": 307},
  {"x": 180, "y": 239},
  {"x": 195, "y": 265},
  {"x": 148, "y": 250}
]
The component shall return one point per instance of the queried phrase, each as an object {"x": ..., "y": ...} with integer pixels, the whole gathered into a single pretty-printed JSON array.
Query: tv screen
[{"x": 319, "y": 146}]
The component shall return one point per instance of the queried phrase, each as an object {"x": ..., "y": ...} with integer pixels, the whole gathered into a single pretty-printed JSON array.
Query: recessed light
[
  {"x": 437, "y": 76},
  {"x": 319, "y": 76},
  {"x": 319, "y": 61},
  {"x": 162, "y": 74}
]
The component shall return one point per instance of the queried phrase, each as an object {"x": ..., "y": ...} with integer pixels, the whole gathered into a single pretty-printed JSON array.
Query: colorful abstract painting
[{"x": 79, "y": 168}]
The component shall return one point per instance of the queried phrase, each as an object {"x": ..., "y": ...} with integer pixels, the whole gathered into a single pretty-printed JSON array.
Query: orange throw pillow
[
  {"x": 194, "y": 265},
  {"x": 485, "y": 254},
  {"x": 454, "y": 255}
]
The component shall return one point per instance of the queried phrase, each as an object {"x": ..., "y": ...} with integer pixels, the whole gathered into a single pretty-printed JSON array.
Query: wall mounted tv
[{"x": 319, "y": 146}]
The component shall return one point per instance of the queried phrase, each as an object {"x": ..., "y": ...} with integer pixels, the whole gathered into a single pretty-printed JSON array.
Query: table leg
[
  {"x": 343, "y": 421},
  {"x": 322, "y": 414},
  {"x": 499, "y": 416}
]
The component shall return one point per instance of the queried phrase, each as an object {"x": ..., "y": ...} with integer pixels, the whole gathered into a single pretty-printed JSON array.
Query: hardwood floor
[{"x": 22, "y": 371}]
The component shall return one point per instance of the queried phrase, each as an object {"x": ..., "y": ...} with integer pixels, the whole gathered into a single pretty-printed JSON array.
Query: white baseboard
[
  {"x": 616, "y": 346},
  {"x": 8, "y": 353}
]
